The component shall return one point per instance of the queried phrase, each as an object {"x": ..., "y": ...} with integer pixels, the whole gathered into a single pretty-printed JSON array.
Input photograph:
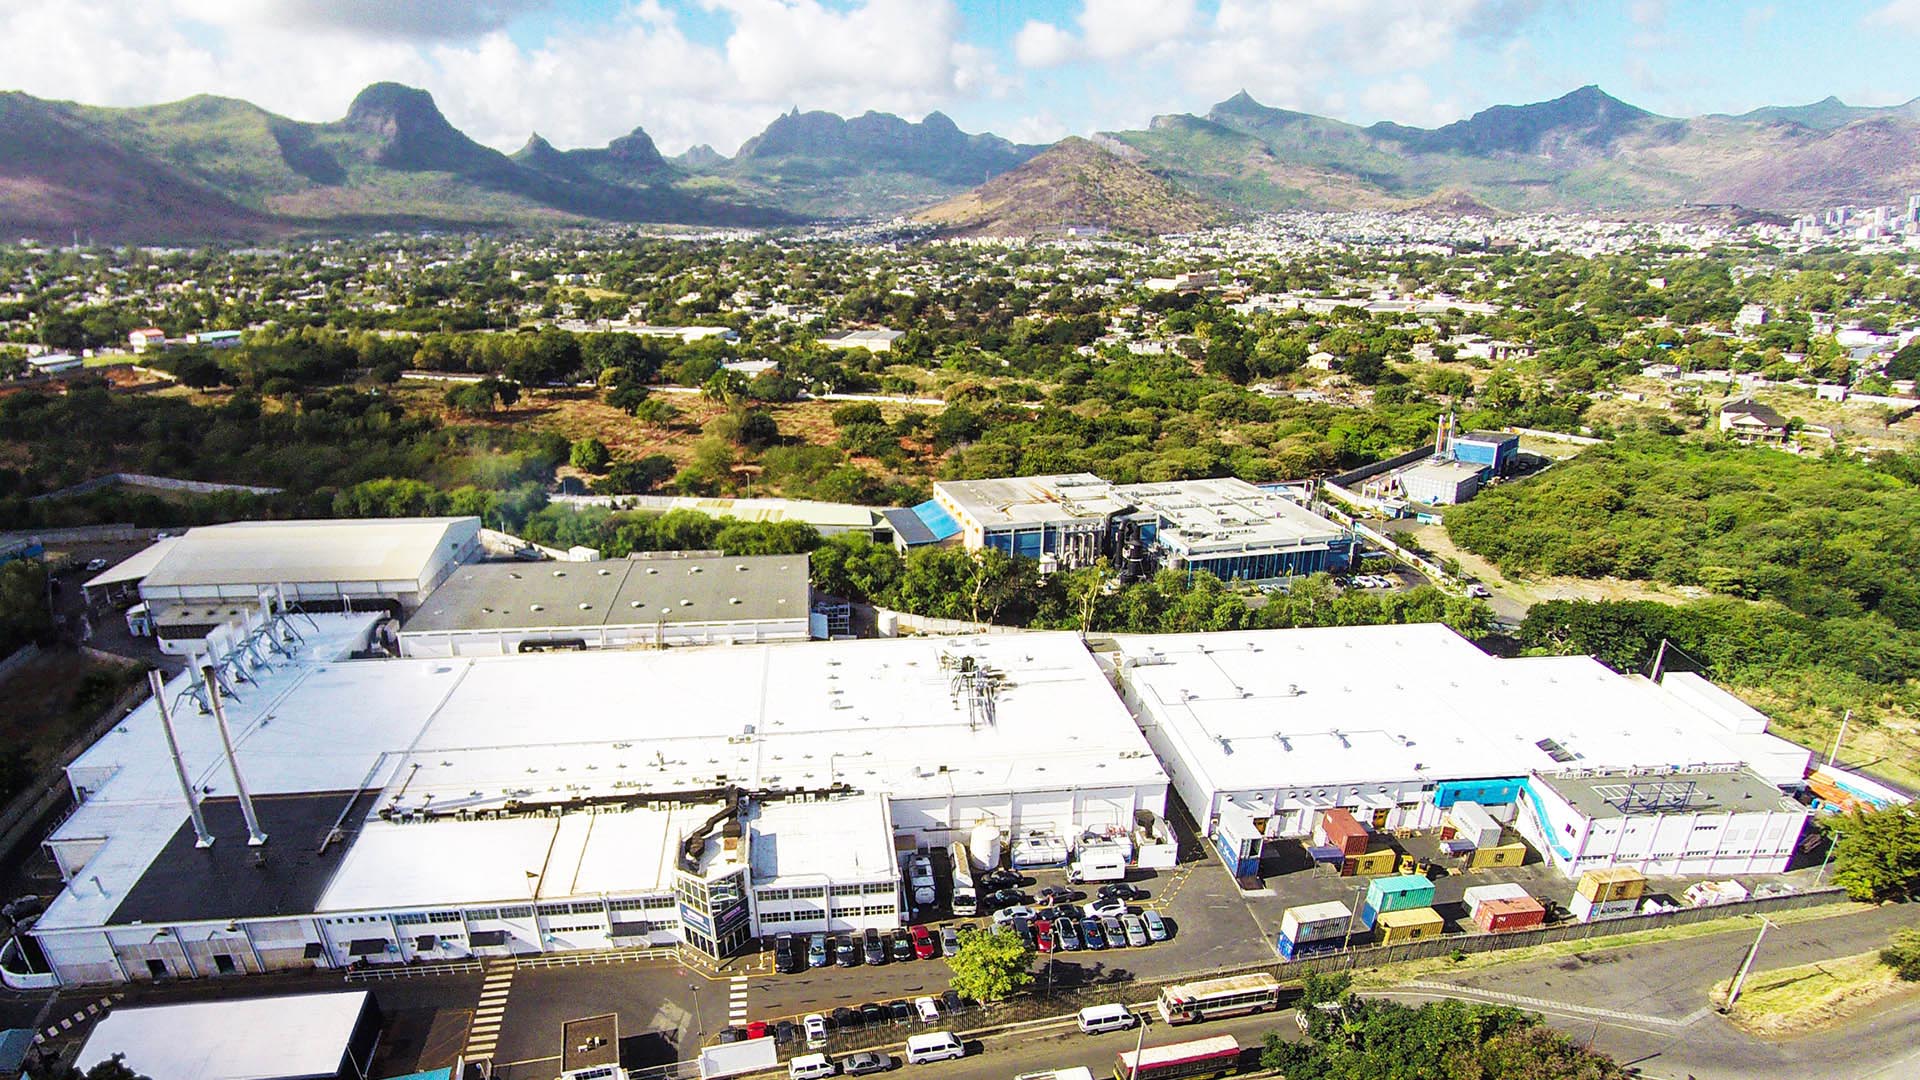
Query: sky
[{"x": 581, "y": 72}]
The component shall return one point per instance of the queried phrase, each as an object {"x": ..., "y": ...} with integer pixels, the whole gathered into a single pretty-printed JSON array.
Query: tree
[
  {"x": 589, "y": 455},
  {"x": 656, "y": 412},
  {"x": 635, "y": 477},
  {"x": 1902, "y": 954},
  {"x": 24, "y": 615},
  {"x": 992, "y": 965},
  {"x": 1876, "y": 853}
]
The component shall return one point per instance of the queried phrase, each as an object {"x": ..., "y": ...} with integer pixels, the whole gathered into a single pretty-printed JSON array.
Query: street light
[
  {"x": 1740, "y": 980},
  {"x": 698, "y": 1027}
]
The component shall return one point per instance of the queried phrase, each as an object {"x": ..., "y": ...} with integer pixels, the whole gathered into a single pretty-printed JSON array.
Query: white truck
[
  {"x": 1098, "y": 864},
  {"x": 920, "y": 881}
]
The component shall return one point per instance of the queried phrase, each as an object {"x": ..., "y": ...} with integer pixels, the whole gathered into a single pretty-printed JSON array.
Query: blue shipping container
[
  {"x": 1367, "y": 914},
  {"x": 1291, "y": 951}
]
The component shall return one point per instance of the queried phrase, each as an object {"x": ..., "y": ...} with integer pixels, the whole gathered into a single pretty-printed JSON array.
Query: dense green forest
[{"x": 1827, "y": 537}]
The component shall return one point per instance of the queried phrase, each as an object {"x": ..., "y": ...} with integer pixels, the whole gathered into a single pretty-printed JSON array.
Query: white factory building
[
  {"x": 1259, "y": 731},
  {"x": 444, "y": 808},
  {"x": 214, "y": 575}
]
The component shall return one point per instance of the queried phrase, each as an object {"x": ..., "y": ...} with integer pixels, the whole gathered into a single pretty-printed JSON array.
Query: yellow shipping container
[
  {"x": 1413, "y": 924},
  {"x": 1612, "y": 884},
  {"x": 1370, "y": 864},
  {"x": 1505, "y": 855}
]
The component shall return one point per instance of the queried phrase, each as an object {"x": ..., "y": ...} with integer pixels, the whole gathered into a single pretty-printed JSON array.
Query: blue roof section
[
  {"x": 937, "y": 520},
  {"x": 430, "y": 1074},
  {"x": 14, "y": 1044},
  {"x": 908, "y": 527}
]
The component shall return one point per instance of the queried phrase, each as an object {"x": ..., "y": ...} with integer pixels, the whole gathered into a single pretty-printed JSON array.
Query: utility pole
[
  {"x": 1139, "y": 1041},
  {"x": 1841, "y": 734},
  {"x": 1740, "y": 980}
]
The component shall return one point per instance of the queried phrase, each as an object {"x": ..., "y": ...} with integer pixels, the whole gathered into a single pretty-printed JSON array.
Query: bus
[
  {"x": 1209, "y": 999},
  {"x": 1216, "y": 1055},
  {"x": 966, "y": 899}
]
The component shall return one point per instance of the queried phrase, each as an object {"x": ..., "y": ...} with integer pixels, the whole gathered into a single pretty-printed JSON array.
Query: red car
[
  {"x": 757, "y": 1029},
  {"x": 1043, "y": 935},
  {"x": 923, "y": 943}
]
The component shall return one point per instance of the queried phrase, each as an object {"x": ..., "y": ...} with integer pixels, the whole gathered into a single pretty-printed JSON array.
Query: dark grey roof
[
  {"x": 907, "y": 525},
  {"x": 1756, "y": 410},
  {"x": 1495, "y": 437},
  {"x": 230, "y": 880},
  {"x": 615, "y": 592},
  {"x": 1603, "y": 795}
]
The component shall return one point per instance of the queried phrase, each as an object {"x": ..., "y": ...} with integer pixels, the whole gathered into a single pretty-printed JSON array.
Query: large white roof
[
  {"x": 303, "y": 1035},
  {"x": 1271, "y": 709},
  {"x": 269, "y": 552},
  {"x": 875, "y": 716}
]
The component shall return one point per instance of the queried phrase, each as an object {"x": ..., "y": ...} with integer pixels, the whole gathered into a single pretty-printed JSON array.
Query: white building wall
[
  {"x": 450, "y": 643},
  {"x": 1675, "y": 844}
]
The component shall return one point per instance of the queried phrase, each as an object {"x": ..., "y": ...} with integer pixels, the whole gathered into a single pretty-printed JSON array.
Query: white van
[
  {"x": 1095, "y": 1019},
  {"x": 809, "y": 1067},
  {"x": 935, "y": 1046}
]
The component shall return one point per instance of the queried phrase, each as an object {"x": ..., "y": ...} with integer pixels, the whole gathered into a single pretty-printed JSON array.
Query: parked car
[
  {"x": 901, "y": 946},
  {"x": 1004, "y": 878},
  {"x": 1005, "y": 898},
  {"x": 1092, "y": 934},
  {"x": 1008, "y": 914},
  {"x": 814, "y": 1026},
  {"x": 1136, "y": 930},
  {"x": 1043, "y": 935},
  {"x": 809, "y": 1067},
  {"x": 845, "y": 1019},
  {"x": 928, "y": 1012},
  {"x": 845, "y": 953},
  {"x": 950, "y": 1002},
  {"x": 872, "y": 1014},
  {"x": 757, "y": 1029},
  {"x": 1056, "y": 894},
  {"x": 924, "y": 947},
  {"x": 949, "y": 940},
  {"x": 873, "y": 948},
  {"x": 1120, "y": 890},
  {"x": 1103, "y": 908},
  {"x": 1023, "y": 927},
  {"x": 96, "y": 565},
  {"x": 900, "y": 1011},
  {"x": 784, "y": 1032},
  {"x": 1479, "y": 591},
  {"x": 1066, "y": 936},
  {"x": 1116, "y": 933},
  {"x": 731, "y": 1035},
  {"x": 867, "y": 1061},
  {"x": 1156, "y": 926}
]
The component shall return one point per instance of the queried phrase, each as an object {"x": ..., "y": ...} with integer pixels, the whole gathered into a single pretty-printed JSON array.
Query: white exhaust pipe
[{"x": 254, "y": 836}]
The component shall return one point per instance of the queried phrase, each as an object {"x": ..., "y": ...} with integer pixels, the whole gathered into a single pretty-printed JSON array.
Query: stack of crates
[
  {"x": 1402, "y": 892},
  {"x": 1311, "y": 928},
  {"x": 1608, "y": 893},
  {"x": 1504, "y": 914},
  {"x": 1408, "y": 924}
]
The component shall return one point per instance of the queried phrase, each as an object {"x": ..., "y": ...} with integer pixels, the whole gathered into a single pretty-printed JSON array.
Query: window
[
  {"x": 224, "y": 964},
  {"x": 809, "y": 892},
  {"x": 410, "y": 918},
  {"x": 656, "y": 902},
  {"x": 846, "y": 890},
  {"x": 584, "y": 907},
  {"x": 477, "y": 914},
  {"x": 519, "y": 911},
  {"x": 556, "y": 909}
]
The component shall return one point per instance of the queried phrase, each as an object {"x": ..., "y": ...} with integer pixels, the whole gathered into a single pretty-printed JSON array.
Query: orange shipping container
[
  {"x": 1501, "y": 916},
  {"x": 1337, "y": 828}
]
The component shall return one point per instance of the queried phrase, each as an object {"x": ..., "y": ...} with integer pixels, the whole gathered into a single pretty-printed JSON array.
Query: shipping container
[
  {"x": 1369, "y": 864},
  {"x": 1410, "y": 924},
  {"x": 1400, "y": 892},
  {"x": 1510, "y": 854},
  {"x": 1612, "y": 883},
  {"x": 1315, "y": 922},
  {"x": 1586, "y": 910},
  {"x": 1502, "y": 915},
  {"x": 1295, "y": 950},
  {"x": 1337, "y": 828},
  {"x": 1480, "y": 894},
  {"x": 1470, "y": 821}
]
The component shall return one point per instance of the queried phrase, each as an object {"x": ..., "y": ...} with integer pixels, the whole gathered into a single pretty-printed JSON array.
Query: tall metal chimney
[
  {"x": 203, "y": 838},
  {"x": 254, "y": 836}
]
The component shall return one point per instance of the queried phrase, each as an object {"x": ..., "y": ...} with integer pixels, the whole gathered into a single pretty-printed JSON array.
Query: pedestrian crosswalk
[
  {"x": 484, "y": 1033},
  {"x": 737, "y": 1001}
]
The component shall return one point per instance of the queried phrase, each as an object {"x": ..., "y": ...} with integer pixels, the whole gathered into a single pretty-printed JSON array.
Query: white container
[
  {"x": 1480, "y": 894},
  {"x": 1585, "y": 910},
  {"x": 1472, "y": 822},
  {"x": 984, "y": 845},
  {"x": 1315, "y": 922}
]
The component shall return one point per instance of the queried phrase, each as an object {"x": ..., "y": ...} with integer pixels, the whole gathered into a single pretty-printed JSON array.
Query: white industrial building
[
  {"x": 1720, "y": 820},
  {"x": 289, "y": 1037},
  {"x": 433, "y": 809},
  {"x": 491, "y": 609},
  {"x": 1224, "y": 526},
  {"x": 1261, "y": 730},
  {"x": 214, "y": 576}
]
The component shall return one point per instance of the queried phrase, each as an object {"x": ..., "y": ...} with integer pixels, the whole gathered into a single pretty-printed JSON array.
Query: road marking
[
  {"x": 1542, "y": 1004},
  {"x": 483, "y": 1028}
]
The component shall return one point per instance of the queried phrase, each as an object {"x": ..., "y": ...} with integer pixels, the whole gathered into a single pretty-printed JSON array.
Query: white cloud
[
  {"x": 1108, "y": 30},
  {"x": 1040, "y": 127},
  {"x": 1408, "y": 100},
  {"x": 1899, "y": 14},
  {"x": 581, "y": 86}
]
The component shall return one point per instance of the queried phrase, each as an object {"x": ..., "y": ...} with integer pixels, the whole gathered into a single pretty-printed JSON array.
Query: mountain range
[{"x": 213, "y": 168}]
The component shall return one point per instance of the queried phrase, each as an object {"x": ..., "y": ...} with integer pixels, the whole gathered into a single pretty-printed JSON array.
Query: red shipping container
[
  {"x": 1337, "y": 828},
  {"x": 1502, "y": 916}
]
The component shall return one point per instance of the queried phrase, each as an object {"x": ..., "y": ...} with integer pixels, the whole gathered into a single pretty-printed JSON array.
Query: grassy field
[
  {"x": 55, "y": 696},
  {"x": 1796, "y": 999},
  {"x": 1441, "y": 965}
]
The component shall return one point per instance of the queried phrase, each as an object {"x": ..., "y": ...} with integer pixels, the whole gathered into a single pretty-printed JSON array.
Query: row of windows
[
  {"x": 815, "y": 914},
  {"x": 644, "y": 903},
  {"x": 581, "y": 928},
  {"x": 815, "y": 892}
]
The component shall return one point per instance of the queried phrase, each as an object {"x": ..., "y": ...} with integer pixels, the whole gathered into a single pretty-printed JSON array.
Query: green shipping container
[{"x": 1402, "y": 892}]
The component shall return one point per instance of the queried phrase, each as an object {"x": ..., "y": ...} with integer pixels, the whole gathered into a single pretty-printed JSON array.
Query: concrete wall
[{"x": 447, "y": 643}]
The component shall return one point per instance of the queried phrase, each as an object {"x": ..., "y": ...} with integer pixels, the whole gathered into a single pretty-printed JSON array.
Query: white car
[
  {"x": 815, "y": 1026},
  {"x": 928, "y": 1011},
  {"x": 1008, "y": 914},
  {"x": 1100, "y": 909}
]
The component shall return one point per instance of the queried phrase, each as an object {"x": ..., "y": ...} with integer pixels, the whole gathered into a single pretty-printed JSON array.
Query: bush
[{"x": 1902, "y": 954}]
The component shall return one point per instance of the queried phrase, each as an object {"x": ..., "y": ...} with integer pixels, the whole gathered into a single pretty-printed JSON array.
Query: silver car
[{"x": 1136, "y": 930}]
